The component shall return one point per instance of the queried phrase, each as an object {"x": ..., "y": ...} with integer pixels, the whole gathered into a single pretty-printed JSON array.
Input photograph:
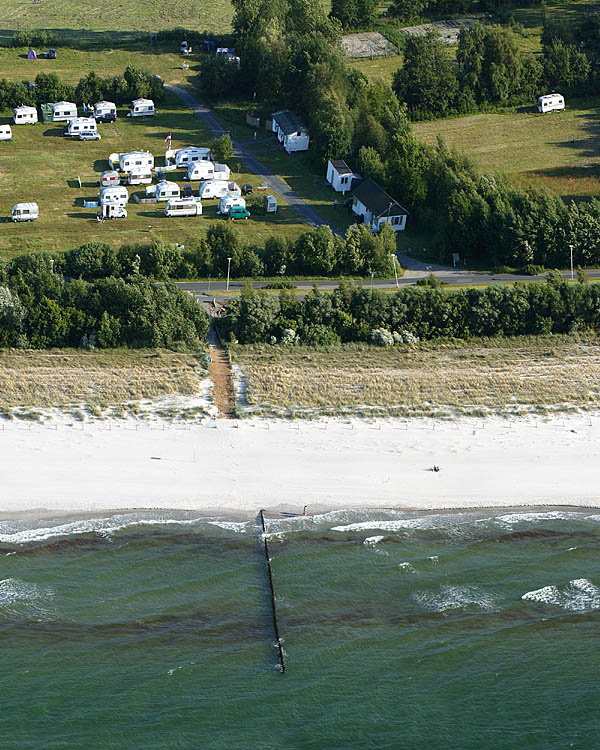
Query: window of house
[{"x": 344, "y": 181}]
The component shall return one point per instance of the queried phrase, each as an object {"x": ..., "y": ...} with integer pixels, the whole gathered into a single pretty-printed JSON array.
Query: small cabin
[
  {"x": 62, "y": 111},
  {"x": 166, "y": 190},
  {"x": 5, "y": 133},
  {"x": 131, "y": 161},
  {"x": 340, "y": 176},
  {"x": 291, "y": 132},
  {"x": 116, "y": 194},
  {"x": 141, "y": 108},
  {"x": 79, "y": 125},
  {"x": 376, "y": 207},
  {"x": 105, "y": 111},
  {"x": 186, "y": 156},
  {"x": 24, "y": 115},
  {"x": 25, "y": 212},
  {"x": 550, "y": 103}
]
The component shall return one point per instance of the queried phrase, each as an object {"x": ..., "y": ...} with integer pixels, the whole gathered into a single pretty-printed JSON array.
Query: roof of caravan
[
  {"x": 143, "y": 101},
  {"x": 26, "y": 205},
  {"x": 62, "y": 104},
  {"x": 104, "y": 103},
  {"x": 110, "y": 188},
  {"x": 167, "y": 185},
  {"x": 24, "y": 108},
  {"x": 135, "y": 153}
]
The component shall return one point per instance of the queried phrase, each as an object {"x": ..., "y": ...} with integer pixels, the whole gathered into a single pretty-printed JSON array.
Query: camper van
[
  {"x": 130, "y": 161},
  {"x": 110, "y": 178},
  {"x": 5, "y": 132},
  {"x": 141, "y": 108},
  {"x": 62, "y": 111},
  {"x": 183, "y": 207},
  {"x": 229, "y": 201},
  {"x": 105, "y": 111},
  {"x": 186, "y": 156},
  {"x": 79, "y": 125},
  {"x": 117, "y": 195},
  {"x": 201, "y": 170},
  {"x": 551, "y": 103},
  {"x": 166, "y": 190},
  {"x": 111, "y": 211},
  {"x": 217, "y": 189},
  {"x": 139, "y": 177},
  {"x": 25, "y": 212},
  {"x": 25, "y": 115}
]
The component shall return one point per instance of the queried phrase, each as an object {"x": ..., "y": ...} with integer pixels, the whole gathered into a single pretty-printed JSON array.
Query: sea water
[{"x": 401, "y": 630}]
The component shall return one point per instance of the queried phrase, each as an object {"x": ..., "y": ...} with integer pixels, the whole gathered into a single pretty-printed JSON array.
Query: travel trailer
[
  {"x": 201, "y": 170},
  {"x": 111, "y": 211},
  {"x": 166, "y": 190},
  {"x": 270, "y": 204},
  {"x": 229, "y": 201},
  {"x": 79, "y": 125},
  {"x": 62, "y": 111},
  {"x": 183, "y": 207},
  {"x": 5, "y": 132},
  {"x": 130, "y": 161},
  {"x": 186, "y": 156},
  {"x": 105, "y": 111},
  {"x": 117, "y": 195},
  {"x": 24, "y": 115},
  {"x": 141, "y": 108},
  {"x": 25, "y": 212},
  {"x": 110, "y": 178},
  {"x": 139, "y": 177},
  {"x": 550, "y": 103},
  {"x": 217, "y": 189}
]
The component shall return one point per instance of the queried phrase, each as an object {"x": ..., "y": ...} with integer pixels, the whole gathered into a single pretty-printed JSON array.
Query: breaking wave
[
  {"x": 455, "y": 597},
  {"x": 579, "y": 595}
]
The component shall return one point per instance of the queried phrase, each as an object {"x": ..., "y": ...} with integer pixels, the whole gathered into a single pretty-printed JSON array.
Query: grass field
[{"x": 498, "y": 376}]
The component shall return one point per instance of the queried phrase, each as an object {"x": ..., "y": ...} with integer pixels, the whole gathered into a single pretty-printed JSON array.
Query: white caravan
[
  {"x": 550, "y": 103},
  {"x": 105, "y": 111},
  {"x": 117, "y": 195},
  {"x": 139, "y": 177},
  {"x": 111, "y": 211},
  {"x": 228, "y": 201},
  {"x": 217, "y": 189},
  {"x": 183, "y": 207},
  {"x": 79, "y": 125},
  {"x": 24, "y": 115},
  {"x": 166, "y": 190},
  {"x": 186, "y": 156},
  {"x": 131, "y": 160},
  {"x": 5, "y": 132},
  {"x": 62, "y": 111},
  {"x": 141, "y": 108},
  {"x": 25, "y": 212},
  {"x": 200, "y": 170},
  {"x": 110, "y": 178}
]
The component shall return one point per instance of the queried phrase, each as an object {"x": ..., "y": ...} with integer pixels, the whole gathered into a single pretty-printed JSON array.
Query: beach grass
[{"x": 505, "y": 376}]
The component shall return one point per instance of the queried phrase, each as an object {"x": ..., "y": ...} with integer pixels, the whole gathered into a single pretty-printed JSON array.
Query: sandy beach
[{"x": 237, "y": 467}]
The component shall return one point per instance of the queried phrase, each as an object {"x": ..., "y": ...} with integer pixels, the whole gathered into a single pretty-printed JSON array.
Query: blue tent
[{"x": 31, "y": 55}]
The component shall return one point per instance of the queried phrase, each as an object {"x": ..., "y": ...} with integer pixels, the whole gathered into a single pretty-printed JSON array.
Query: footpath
[{"x": 220, "y": 373}]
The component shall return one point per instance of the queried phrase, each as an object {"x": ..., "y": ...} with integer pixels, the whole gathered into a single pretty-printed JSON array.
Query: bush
[
  {"x": 532, "y": 270},
  {"x": 382, "y": 337}
]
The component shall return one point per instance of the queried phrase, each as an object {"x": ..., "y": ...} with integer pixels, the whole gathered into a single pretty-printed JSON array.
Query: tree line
[
  {"x": 47, "y": 87},
  {"x": 356, "y": 314}
]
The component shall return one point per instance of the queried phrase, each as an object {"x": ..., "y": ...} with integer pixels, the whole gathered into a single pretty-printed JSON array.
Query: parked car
[
  {"x": 188, "y": 192},
  {"x": 51, "y": 54},
  {"x": 238, "y": 212},
  {"x": 247, "y": 189},
  {"x": 89, "y": 136}
]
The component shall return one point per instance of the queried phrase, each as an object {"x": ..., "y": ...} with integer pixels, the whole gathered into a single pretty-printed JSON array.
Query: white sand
[{"x": 239, "y": 467}]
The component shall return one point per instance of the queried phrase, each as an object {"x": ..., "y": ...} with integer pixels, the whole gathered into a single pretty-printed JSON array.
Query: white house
[
  {"x": 370, "y": 201},
  {"x": 186, "y": 156},
  {"x": 131, "y": 160},
  {"x": 80, "y": 125},
  {"x": 105, "y": 111},
  {"x": 166, "y": 190},
  {"x": 24, "y": 115},
  {"x": 340, "y": 176},
  {"x": 290, "y": 130},
  {"x": 141, "y": 108},
  {"x": 62, "y": 111}
]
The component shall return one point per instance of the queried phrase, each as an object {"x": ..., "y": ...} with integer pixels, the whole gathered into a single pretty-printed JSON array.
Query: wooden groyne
[{"x": 273, "y": 602}]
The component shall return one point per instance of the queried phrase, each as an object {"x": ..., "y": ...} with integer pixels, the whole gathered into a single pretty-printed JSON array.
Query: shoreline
[{"x": 229, "y": 468}]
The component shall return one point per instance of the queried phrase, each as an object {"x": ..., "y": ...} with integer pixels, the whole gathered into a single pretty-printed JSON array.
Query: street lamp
[
  {"x": 571, "y": 249},
  {"x": 228, "y": 269},
  {"x": 394, "y": 259},
  {"x": 51, "y": 265}
]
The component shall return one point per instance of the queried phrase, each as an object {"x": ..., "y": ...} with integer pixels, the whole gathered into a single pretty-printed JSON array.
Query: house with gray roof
[
  {"x": 340, "y": 176},
  {"x": 370, "y": 201},
  {"x": 290, "y": 130}
]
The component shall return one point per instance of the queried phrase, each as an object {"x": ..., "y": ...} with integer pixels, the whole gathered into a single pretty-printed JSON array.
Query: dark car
[
  {"x": 247, "y": 189},
  {"x": 51, "y": 54},
  {"x": 188, "y": 191}
]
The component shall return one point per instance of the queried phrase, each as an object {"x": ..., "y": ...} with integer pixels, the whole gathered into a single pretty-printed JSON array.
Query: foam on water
[
  {"x": 455, "y": 597},
  {"x": 407, "y": 567},
  {"x": 238, "y": 527},
  {"x": 446, "y": 522},
  {"x": 23, "y": 599},
  {"x": 553, "y": 515},
  {"x": 373, "y": 540},
  {"x": 579, "y": 595}
]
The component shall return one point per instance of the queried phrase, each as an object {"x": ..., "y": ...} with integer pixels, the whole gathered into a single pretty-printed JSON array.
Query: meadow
[{"x": 507, "y": 377}]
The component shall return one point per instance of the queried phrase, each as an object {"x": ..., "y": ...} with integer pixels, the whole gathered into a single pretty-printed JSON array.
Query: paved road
[{"x": 306, "y": 212}]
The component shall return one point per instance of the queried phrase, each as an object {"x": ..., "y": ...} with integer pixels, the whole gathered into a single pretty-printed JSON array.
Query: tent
[{"x": 31, "y": 55}]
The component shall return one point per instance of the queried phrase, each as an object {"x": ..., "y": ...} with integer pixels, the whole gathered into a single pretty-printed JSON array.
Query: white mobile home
[
  {"x": 25, "y": 212},
  {"x": 5, "y": 133},
  {"x": 62, "y": 111},
  {"x": 110, "y": 178},
  {"x": 117, "y": 195},
  {"x": 166, "y": 190},
  {"x": 131, "y": 160},
  {"x": 139, "y": 177},
  {"x": 25, "y": 115},
  {"x": 141, "y": 108},
  {"x": 105, "y": 111},
  {"x": 376, "y": 207},
  {"x": 340, "y": 176},
  {"x": 229, "y": 200},
  {"x": 201, "y": 170},
  {"x": 79, "y": 125},
  {"x": 290, "y": 130},
  {"x": 183, "y": 207},
  {"x": 550, "y": 103},
  {"x": 191, "y": 154}
]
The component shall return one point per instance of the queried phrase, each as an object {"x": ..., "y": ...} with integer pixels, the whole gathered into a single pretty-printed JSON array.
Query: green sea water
[{"x": 401, "y": 630}]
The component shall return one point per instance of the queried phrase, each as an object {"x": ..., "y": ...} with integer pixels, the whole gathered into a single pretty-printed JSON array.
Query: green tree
[{"x": 222, "y": 148}]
